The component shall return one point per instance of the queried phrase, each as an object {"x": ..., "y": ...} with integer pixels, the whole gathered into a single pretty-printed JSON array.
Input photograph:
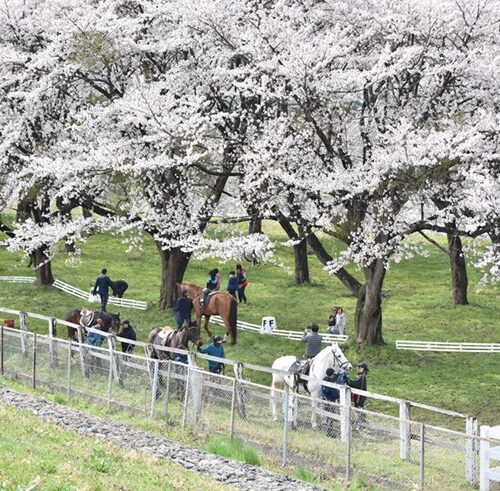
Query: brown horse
[
  {"x": 88, "y": 317},
  {"x": 169, "y": 337},
  {"x": 221, "y": 303}
]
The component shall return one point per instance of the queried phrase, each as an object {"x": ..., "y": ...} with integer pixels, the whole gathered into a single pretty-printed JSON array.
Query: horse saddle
[
  {"x": 86, "y": 317},
  {"x": 164, "y": 336},
  {"x": 207, "y": 297},
  {"x": 301, "y": 366}
]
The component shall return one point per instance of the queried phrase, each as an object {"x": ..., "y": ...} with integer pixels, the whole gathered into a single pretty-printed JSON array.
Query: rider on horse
[{"x": 212, "y": 285}]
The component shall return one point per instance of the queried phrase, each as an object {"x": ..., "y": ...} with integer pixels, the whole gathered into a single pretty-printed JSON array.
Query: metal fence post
[
  {"x": 471, "y": 449},
  {"x": 53, "y": 356},
  {"x": 1, "y": 349},
  {"x": 69, "y": 368},
  {"x": 186, "y": 397},
  {"x": 347, "y": 422},
  {"x": 345, "y": 412},
  {"x": 404, "y": 430},
  {"x": 23, "y": 326},
  {"x": 82, "y": 350},
  {"x": 154, "y": 388},
  {"x": 422, "y": 454},
  {"x": 285, "y": 426},
  {"x": 167, "y": 387},
  {"x": 233, "y": 404},
  {"x": 110, "y": 376},
  {"x": 33, "y": 380}
]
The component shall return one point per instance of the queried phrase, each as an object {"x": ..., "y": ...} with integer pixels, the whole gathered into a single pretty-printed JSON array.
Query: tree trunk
[
  {"x": 43, "y": 267},
  {"x": 173, "y": 266},
  {"x": 301, "y": 263},
  {"x": 368, "y": 317},
  {"x": 459, "y": 279},
  {"x": 86, "y": 212},
  {"x": 349, "y": 281},
  {"x": 255, "y": 226},
  {"x": 299, "y": 251}
]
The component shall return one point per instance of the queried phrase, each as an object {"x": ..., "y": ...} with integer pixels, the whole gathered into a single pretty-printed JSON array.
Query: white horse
[{"x": 329, "y": 357}]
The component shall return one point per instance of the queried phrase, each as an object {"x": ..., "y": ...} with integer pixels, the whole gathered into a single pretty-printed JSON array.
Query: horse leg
[{"x": 207, "y": 317}]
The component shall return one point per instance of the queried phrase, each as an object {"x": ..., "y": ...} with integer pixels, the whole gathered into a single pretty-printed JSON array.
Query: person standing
[
  {"x": 313, "y": 340},
  {"x": 214, "y": 349},
  {"x": 102, "y": 286},
  {"x": 127, "y": 332},
  {"x": 232, "y": 284},
  {"x": 242, "y": 283},
  {"x": 340, "y": 320},
  {"x": 330, "y": 394},
  {"x": 357, "y": 399},
  {"x": 183, "y": 309}
]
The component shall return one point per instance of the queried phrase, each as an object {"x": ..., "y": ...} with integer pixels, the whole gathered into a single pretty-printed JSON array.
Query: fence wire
[{"x": 334, "y": 441}]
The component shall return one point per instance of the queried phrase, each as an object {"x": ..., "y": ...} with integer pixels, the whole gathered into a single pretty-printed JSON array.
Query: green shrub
[
  {"x": 232, "y": 448},
  {"x": 60, "y": 399},
  {"x": 306, "y": 475}
]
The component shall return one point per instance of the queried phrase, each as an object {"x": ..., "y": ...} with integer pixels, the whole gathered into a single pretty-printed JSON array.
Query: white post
[
  {"x": 53, "y": 356},
  {"x": 345, "y": 412},
  {"x": 471, "y": 449},
  {"x": 404, "y": 430},
  {"x": 110, "y": 376},
  {"x": 186, "y": 397},
  {"x": 285, "y": 425},
  {"x": 346, "y": 421},
  {"x": 23, "y": 326},
  {"x": 422, "y": 455},
  {"x": 233, "y": 404},
  {"x": 70, "y": 344},
  {"x": 484, "y": 466},
  {"x": 154, "y": 388},
  {"x": 167, "y": 387}
]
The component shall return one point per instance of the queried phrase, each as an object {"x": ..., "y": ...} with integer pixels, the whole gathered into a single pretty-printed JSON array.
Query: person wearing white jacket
[{"x": 340, "y": 320}]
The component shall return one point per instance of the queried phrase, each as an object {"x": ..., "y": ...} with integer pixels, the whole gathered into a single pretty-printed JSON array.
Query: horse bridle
[{"x": 337, "y": 358}]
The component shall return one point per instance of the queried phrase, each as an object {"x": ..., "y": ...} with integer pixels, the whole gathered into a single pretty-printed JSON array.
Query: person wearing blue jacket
[
  {"x": 232, "y": 284},
  {"x": 102, "y": 286},
  {"x": 183, "y": 309},
  {"x": 214, "y": 349}
]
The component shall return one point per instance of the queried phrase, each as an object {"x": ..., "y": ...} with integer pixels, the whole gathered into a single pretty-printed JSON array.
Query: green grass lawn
[
  {"x": 41, "y": 455},
  {"x": 417, "y": 305}
]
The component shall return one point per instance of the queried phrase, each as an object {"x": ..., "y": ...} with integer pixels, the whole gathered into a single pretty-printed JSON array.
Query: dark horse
[
  {"x": 119, "y": 287},
  {"x": 111, "y": 321},
  {"x": 169, "y": 337},
  {"x": 221, "y": 303}
]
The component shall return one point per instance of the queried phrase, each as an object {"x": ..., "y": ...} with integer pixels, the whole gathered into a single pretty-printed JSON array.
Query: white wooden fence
[
  {"x": 471, "y": 422},
  {"x": 18, "y": 279},
  {"x": 77, "y": 292},
  {"x": 292, "y": 335},
  {"x": 490, "y": 451},
  {"x": 448, "y": 346}
]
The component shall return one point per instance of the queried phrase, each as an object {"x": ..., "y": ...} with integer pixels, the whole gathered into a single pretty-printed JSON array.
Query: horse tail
[{"x": 233, "y": 318}]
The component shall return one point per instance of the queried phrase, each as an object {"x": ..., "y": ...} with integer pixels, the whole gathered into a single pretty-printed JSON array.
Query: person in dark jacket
[
  {"x": 359, "y": 383},
  {"x": 232, "y": 284},
  {"x": 212, "y": 283},
  {"x": 183, "y": 309},
  {"x": 330, "y": 395},
  {"x": 242, "y": 283},
  {"x": 102, "y": 286},
  {"x": 214, "y": 349},
  {"x": 313, "y": 340},
  {"x": 127, "y": 332}
]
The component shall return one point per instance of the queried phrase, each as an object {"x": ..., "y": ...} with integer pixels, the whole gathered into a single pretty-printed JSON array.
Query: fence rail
[
  {"x": 293, "y": 335},
  {"x": 18, "y": 279},
  {"x": 343, "y": 440},
  {"x": 448, "y": 346},
  {"x": 121, "y": 302}
]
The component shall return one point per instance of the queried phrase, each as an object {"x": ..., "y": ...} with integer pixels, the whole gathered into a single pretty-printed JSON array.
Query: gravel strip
[{"x": 235, "y": 474}]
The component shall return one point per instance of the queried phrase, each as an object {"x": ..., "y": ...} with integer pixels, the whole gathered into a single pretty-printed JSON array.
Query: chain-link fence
[{"x": 332, "y": 440}]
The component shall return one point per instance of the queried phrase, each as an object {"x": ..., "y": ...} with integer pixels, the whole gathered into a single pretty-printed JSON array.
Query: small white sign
[{"x": 268, "y": 325}]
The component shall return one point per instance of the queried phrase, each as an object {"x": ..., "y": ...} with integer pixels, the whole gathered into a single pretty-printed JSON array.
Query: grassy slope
[
  {"x": 35, "y": 452},
  {"x": 417, "y": 305}
]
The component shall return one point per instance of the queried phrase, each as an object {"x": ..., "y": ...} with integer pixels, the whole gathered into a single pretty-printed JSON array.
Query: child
[{"x": 232, "y": 284}]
